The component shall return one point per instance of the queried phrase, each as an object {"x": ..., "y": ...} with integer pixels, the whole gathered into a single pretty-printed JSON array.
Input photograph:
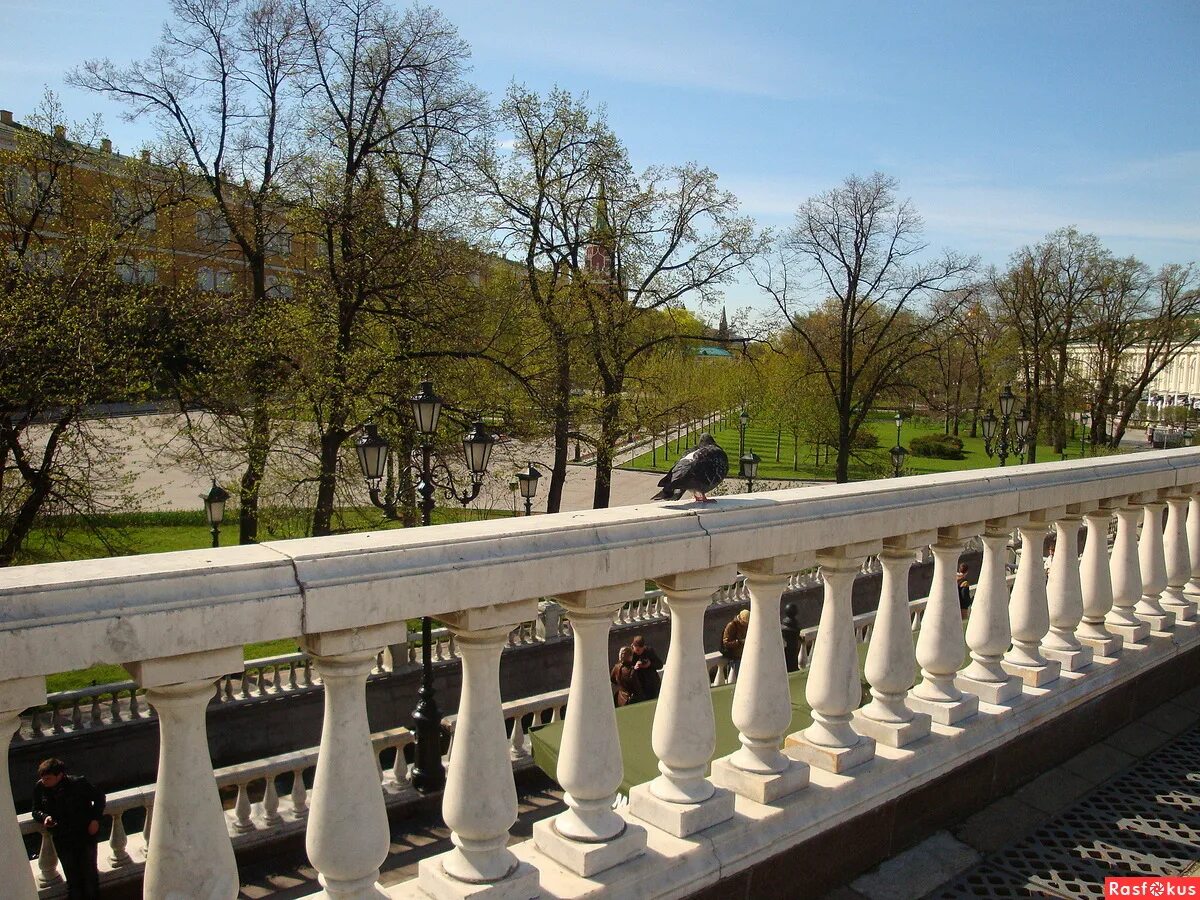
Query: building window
[
  {"x": 127, "y": 210},
  {"x": 277, "y": 287},
  {"x": 212, "y": 227},
  {"x": 279, "y": 243},
  {"x": 134, "y": 272},
  {"x": 218, "y": 280}
]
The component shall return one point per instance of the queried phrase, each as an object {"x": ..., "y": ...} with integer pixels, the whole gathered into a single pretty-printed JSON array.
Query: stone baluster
[
  {"x": 15, "y": 695},
  {"x": 1064, "y": 595},
  {"x": 941, "y": 646},
  {"x": 299, "y": 795},
  {"x": 891, "y": 665},
  {"x": 270, "y": 804},
  {"x": 1153, "y": 564},
  {"x": 1029, "y": 612},
  {"x": 1126, "y": 576},
  {"x": 988, "y": 633},
  {"x": 1095, "y": 582},
  {"x": 242, "y": 821},
  {"x": 347, "y": 837},
  {"x": 118, "y": 843},
  {"x": 1193, "y": 538},
  {"x": 188, "y": 824},
  {"x": 1178, "y": 559},
  {"x": 47, "y": 863},
  {"x": 681, "y": 800},
  {"x": 480, "y": 801},
  {"x": 589, "y": 837},
  {"x": 762, "y": 704},
  {"x": 833, "y": 689}
]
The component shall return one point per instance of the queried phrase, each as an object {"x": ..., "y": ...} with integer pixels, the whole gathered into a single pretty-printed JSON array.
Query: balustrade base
[
  {"x": 1177, "y": 604},
  {"x": 587, "y": 860},
  {"x": 831, "y": 759},
  {"x": 1069, "y": 660},
  {"x": 680, "y": 819},
  {"x": 1161, "y": 623},
  {"x": 945, "y": 712},
  {"x": 1130, "y": 634},
  {"x": 759, "y": 787},
  {"x": 1105, "y": 647},
  {"x": 893, "y": 734},
  {"x": 522, "y": 884},
  {"x": 1034, "y": 676},
  {"x": 997, "y": 693}
]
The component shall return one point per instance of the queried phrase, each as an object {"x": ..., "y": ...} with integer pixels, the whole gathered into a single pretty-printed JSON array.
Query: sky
[{"x": 1001, "y": 121}]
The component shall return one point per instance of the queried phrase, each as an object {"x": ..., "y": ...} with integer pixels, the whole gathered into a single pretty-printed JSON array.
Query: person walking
[
  {"x": 646, "y": 664},
  {"x": 964, "y": 590},
  {"x": 626, "y": 688},
  {"x": 69, "y": 807},
  {"x": 733, "y": 638}
]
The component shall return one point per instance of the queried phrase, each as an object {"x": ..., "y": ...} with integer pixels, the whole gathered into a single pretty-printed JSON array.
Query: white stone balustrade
[
  {"x": 833, "y": 690},
  {"x": 590, "y": 837},
  {"x": 1029, "y": 612},
  {"x": 1095, "y": 584},
  {"x": 1177, "y": 558},
  {"x": 1153, "y": 564},
  {"x": 941, "y": 645},
  {"x": 1126, "y": 573},
  {"x": 1064, "y": 598},
  {"x": 173, "y": 618},
  {"x": 681, "y": 800},
  {"x": 762, "y": 704},
  {"x": 988, "y": 633},
  {"x": 1193, "y": 538},
  {"x": 891, "y": 664}
]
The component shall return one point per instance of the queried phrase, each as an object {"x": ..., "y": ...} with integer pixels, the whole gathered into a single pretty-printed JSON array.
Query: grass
[{"x": 865, "y": 464}]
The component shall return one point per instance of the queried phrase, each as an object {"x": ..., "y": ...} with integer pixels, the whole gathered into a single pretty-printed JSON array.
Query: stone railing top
[{"x": 61, "y": 616}]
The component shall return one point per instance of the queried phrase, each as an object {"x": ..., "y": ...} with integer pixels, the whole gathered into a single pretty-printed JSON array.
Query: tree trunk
[
  {"x": 256, "y": 467},
  {"x": 562, "y": 429}
]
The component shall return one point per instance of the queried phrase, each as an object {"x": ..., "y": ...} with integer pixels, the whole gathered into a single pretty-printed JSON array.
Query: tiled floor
[{"x": 1128, "y": 805}]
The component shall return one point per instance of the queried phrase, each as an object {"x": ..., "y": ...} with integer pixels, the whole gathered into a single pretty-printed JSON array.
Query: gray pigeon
[{"x": 699, "y": 472}]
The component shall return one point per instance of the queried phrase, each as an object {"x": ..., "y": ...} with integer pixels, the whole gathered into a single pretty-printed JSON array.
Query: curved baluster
[
  {"x": 891, "y": 665},
  {"x": 833, "y": 690},
  {"x": 118, "y": 841},
  {"x": 1178, "y": 561},
  {"x": 1153, "y": 564},
  {"x": 1029, "y": 613},
  {"x": 1193, "y": 538},
  {"x": 1095, "y": 581},
  {"x": 270, "y": 803},
  {"x": 1064, "y": 595},
  {"x": 48, "y": 874},
  {"x": 988, "y": 633},
  {"x": 1126, "y": 574},
  {"x": 299, "y": 795},
  {"x": 241, "y": 810}
]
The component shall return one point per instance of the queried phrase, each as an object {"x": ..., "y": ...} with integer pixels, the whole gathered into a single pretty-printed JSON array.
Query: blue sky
[{"x": 1001, "y": 120}]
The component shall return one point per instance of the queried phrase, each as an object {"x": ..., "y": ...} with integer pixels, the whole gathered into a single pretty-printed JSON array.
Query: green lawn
[{"x": 866, "y": 464}]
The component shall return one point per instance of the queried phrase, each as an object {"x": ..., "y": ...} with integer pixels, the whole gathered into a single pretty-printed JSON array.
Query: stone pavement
[{"x": 1128, "y": 805}]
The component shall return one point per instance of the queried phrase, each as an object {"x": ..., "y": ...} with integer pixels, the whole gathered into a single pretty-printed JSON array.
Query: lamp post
[
  {"x": 528, "y": 480},
  {"x": 515, "y": 487},
  {"x": 1084, "y": 420},
  {"x": 748, "y": 469},
  {"x": 898, "y": 454},
  {"x": 214, "y": 510},
  {"x": 428, "y": 773},
  {"x": 1000, "y": 436},
  {"x": 899, "y": 422},
  {"x": 743, "y": 421}
]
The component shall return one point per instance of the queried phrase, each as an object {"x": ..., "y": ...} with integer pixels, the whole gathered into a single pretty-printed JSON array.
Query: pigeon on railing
[{"x": 699, "y": 472}]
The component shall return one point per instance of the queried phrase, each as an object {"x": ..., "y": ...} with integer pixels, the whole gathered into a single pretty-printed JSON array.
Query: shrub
[
  {"x": 864, "y": 440},
  {"x": 937, "y": 446}
]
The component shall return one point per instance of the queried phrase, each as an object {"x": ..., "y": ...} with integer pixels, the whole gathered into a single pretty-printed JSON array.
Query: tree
[
  {"x": 224, "y": 86},
  {"x": 864, "y": 247}
]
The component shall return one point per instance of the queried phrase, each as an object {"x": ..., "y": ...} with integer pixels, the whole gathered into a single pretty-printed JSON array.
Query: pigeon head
[{"x": 707, "y": 440}]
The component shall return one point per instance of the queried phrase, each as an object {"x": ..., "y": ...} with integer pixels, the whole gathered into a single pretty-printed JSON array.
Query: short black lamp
[
  {"x": 528, "y": 479},
  {"x": 748, "y": 469},
  {"x": 1004, "y": 434},
  {"x": 372, "y": 454},
  {"x": 898, "y": 454},
  {"x": 214, "y": 509}
]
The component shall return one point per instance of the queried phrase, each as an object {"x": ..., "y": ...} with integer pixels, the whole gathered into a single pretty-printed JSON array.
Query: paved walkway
[{"x": 1127, "y": 806}]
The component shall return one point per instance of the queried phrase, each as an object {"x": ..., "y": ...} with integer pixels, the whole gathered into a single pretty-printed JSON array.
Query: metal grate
[{"x": 1145, "y": 821}]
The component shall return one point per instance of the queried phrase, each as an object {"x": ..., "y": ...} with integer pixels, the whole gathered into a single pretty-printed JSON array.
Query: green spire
[{"x": 602, "y": 232}]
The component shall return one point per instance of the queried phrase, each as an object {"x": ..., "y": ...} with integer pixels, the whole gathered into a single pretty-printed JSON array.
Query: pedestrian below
[
  {"x": 964, "y": 590},
  {"x": 646, "y": 664},
  {"x": 69, "y": 808},
  {"x": 733, "y": 639},
  {"x": 625, "y": 685},
  {"x": 790, "y": 626}
]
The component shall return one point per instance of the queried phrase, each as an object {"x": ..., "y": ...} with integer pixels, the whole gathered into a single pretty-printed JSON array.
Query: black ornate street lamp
[
  {"x": 428, "y": 773},
  {"x": 1084, "y": 419},
  {"x": 1004, "y": 435},
  {"x": 898, "y": 454},
  {"x": 528, "y": 480},
  {"x": 743, "y": 421},
  {"x": 214, "y": 510},
  {"x": 748, "y": 469}
]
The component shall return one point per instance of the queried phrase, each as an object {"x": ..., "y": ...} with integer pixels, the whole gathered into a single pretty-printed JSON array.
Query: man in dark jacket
[
  {"x": 645, "y": 667},
  {"x": 69, "y": 807}
]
